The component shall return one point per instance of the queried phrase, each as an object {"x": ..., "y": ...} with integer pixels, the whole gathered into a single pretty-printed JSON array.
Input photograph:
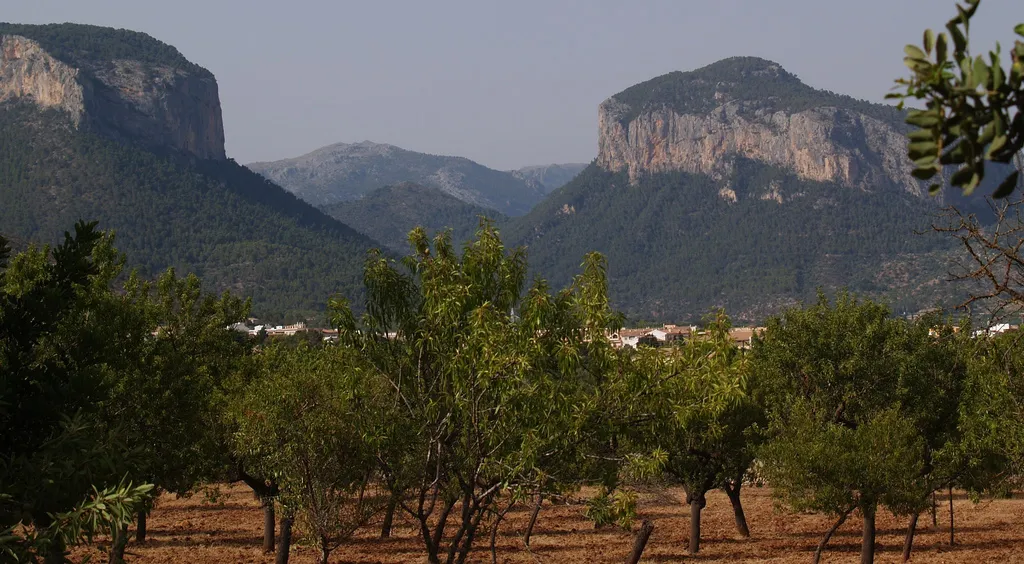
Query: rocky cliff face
[
  {"x": 823, "y": 142},
  {"x": 156, "y": 105}
]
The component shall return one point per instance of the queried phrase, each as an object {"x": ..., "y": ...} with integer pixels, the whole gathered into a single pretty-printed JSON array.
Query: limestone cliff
[
  {"x": 700, "y": 122},
  {"x": 147, "y": 100}
]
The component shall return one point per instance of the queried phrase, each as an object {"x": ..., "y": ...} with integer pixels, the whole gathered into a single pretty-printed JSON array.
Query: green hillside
[
  {"x": 677, "y": 248},
  {"x": 229, "y": 225},
  {"x": 388, "y": 214}
]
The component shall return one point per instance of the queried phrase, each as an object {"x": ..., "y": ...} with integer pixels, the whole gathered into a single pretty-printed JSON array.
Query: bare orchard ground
[{"x": 230, "y": 530}]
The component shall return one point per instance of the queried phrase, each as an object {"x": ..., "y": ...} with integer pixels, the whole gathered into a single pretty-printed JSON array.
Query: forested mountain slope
[
  {"x": 235, "y": 229},
  {"x": 388, "y": 214},
  {"x": 677, "y": 248},
  {"x": 738, "y": 186}
]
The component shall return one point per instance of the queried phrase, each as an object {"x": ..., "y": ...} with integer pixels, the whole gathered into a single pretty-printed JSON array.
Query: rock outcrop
[
  {"x": 155, "y": 105},
  {"x": 823, "y": 142}
]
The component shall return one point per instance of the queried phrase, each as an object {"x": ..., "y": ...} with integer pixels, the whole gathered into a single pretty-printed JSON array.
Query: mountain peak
[
  {"x": 701, "y": 121},
  {"x": 740, "y": 68}
]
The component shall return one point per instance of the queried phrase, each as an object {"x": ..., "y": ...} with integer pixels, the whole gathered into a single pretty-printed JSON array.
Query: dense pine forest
[
  {"x": 675, "y": 245},
  {"x": 388, "y": 214},
  {"x": 231, "y": 226}
]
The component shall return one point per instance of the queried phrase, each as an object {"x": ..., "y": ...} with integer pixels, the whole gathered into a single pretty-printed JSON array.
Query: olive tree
[{"x": 485, "y": 379}]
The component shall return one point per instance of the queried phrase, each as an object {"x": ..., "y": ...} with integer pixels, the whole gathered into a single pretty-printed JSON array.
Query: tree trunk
[
  {"x": 935, "y": 510},
  {"x": 867, "y": 541},
  {"x": 284, "y": 543},
  {"x": 641, "y": 542},
  {"x": 140, "y": 530},
  {"x": 737, "y": 509},
  {"x": 533, "y": 520},
  {"x": 908, "y": 544},
  {"x": 117, "y": 548},
  {"x": 268, "y": 525},
  {"x": 494, "y": 535},
  {"x": 696, "y": 505},
  {"x": 828, "y": 535},
  {"x": 389, "y": 517},
  {"x": 325, "y": 553},
  {"x": 951, "y": 539}
]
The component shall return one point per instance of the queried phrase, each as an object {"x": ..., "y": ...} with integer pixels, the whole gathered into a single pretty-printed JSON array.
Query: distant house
[{"x": 995, "y": 330}]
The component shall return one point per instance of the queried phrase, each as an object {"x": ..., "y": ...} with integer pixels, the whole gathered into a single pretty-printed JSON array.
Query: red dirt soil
[{"x": 230, "y": 530}]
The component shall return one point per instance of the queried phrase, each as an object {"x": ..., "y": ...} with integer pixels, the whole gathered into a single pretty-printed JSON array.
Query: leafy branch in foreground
[
  {"x": 106, "y": 510},
  {"x": 974, "y": 108}
]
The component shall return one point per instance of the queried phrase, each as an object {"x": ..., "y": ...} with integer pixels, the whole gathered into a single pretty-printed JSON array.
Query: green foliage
[
  {"x": 490, "y": 387},
  {"x": 310, "y": 420},
  {"x": 103, "y": 511},
  {"x": 973, "y": 106},
  {"x": 57, "y": 446},
  {"x": 91, "y": 46},
  {"x": 833, "y": 468},
  {"x": 989, "y": 456},
  {"x": 756, "y": 84},
  {"x": 615, "y": 508},
  {"x": 676, "y": 249},
  {"x": 865, "y": 410},
  {"x": 228, "y": 225},
  {"x": 388, "y": 214},
  {"x": 169, "y": 400}
]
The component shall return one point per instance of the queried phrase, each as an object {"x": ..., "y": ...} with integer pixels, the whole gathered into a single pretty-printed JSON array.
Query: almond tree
[
  {"x": 168, "y": 396},
  {"x": 703, "y": 418},
  {"x": 310, "y": 421},
  {"x": 488, "y": 385}
]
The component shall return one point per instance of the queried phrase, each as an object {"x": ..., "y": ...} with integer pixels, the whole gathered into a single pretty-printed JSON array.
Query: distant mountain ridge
[
  {"x": 348, "y": 171},
  {"x": 115, "y": 126},
  {"x": 550, "y": 177}
]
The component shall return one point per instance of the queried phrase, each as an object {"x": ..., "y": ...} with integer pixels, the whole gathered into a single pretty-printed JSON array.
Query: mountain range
[
  {"x": 349, "y": 171},
  {"x": 735, "y": 185}
]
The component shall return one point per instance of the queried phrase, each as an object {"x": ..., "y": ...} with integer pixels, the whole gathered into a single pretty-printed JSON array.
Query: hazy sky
[{"x": 504, "y": 83}]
